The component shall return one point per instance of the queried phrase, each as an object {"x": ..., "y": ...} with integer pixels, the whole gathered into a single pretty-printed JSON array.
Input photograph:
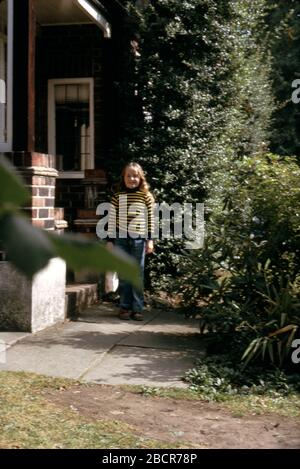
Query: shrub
[
  {"x": 197, "y": 96},
  {"x": 249, "y": 271},
  {"x": 215, "y": 377}
]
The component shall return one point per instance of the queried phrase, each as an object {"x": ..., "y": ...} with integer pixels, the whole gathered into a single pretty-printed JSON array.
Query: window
[
  {"x": 5, "y": 75},
  {"x": 71, "y": 129}
]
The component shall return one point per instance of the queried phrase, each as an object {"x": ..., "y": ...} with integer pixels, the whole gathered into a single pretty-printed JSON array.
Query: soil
[{"x": 192, "y": 424}]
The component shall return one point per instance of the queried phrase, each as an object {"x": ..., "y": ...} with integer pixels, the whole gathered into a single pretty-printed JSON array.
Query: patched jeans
[{"x": 130, "y": 298}]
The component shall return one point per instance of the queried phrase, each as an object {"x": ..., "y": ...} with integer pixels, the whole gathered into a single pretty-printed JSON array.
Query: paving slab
[
  {"x": 10, "y": 338},
  {"x": 99, "y": 347},
  {"x": 67, "y": 350},
  {"x": 143, "y": 366},
  {"x": 166, "y": 330}
]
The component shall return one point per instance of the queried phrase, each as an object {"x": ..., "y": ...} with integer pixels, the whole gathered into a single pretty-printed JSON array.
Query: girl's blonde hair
[{"x": 144, "y": 186}]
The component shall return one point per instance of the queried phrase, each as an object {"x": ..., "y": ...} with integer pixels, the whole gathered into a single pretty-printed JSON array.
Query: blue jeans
[{"x": 130, "y": 298}]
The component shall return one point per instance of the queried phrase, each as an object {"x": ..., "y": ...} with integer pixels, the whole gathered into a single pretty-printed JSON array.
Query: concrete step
[{"x": 80, "y": 296}]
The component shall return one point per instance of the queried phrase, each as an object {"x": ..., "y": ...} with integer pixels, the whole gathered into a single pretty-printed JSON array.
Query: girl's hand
[{"x": 149, "y": 246}]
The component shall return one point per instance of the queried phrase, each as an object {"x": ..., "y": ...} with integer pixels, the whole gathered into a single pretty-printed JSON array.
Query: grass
[
  {"x": 28, "y": 420},
  {"x": 288, "y": 406}
]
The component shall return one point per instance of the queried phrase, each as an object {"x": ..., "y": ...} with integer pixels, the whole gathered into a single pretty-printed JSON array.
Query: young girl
[{"x": 133, "y": 205}]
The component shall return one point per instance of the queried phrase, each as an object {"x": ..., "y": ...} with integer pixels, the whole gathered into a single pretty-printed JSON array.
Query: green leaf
[
  {"x": 265, "y": 343},
  {"x": 27, "y": 247},
  {"x": 283, "y": 319},
  {"x": 258, "y": 343},
  {"x": 269, "y": 323},
  {"x": 282, "y": 330},
  {"x": 212, "y": 285},
  {"x": 12, "y": 190},
  {"x": 81, "y": 253},
  {"x": 249, "y": 348},
  {"x": 251, "y": 351},
  {"x": 280, "y": 354},
  {"x": 270, "y": 350},
  {"x": 290, "y": 339}
]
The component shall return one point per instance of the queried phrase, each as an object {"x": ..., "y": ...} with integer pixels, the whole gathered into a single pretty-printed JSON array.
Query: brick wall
[
  {"x": 39, "y": 174},
  {"x": 70, "y": 196}
]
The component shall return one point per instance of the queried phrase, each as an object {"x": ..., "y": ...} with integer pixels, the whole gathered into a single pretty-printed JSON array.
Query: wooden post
[
  {"x": 31, "y": 76},
  {"x": 24, "y": 76}
]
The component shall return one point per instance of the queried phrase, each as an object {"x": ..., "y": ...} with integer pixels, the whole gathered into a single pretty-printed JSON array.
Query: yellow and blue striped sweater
[{"x": 133, "y": 212}]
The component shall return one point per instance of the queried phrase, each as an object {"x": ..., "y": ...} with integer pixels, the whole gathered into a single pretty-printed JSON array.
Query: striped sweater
[{"x": 132, "y": 213}]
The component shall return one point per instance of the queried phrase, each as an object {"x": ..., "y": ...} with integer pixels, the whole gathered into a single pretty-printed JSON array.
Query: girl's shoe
[
  {"x": 137, "y": 316},
  {"x": 124, "y": 314}
]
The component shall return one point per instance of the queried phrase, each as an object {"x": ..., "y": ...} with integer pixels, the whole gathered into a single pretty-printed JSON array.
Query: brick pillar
[
  {"x": 39, "y": 175},
  {"x": 32, "y": 305}
]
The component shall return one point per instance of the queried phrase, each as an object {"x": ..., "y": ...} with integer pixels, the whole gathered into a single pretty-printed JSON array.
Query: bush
[
  {"x": 284, "y": 33},
  {"x": 216, "y": 377},
  {"x": 196, "y": 96},
  {"x": 249, "y": 271}
]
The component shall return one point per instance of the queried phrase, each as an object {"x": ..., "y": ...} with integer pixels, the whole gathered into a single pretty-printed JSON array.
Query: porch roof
[{"x": 60, "y": 12}]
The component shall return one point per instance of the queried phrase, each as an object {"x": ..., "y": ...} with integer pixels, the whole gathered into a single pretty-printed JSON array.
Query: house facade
[
  {"x": 58, "y": 62},
  {"x": 57, "y": 67}
]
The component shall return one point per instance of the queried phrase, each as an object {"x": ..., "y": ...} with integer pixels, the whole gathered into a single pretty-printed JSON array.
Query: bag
[{"x": 111, "y": 282}]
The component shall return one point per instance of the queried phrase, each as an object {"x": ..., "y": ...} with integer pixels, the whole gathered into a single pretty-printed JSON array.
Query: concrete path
[{"x": 100, "y": 348}]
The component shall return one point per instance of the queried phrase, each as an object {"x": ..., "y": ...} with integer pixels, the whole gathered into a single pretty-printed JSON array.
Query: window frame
[
  {"x": 7, "y": 145},
  {"x": 52, "y": 127}
]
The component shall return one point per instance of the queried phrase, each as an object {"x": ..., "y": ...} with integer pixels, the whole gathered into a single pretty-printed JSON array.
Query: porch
[{"x": 64, "y": 65}]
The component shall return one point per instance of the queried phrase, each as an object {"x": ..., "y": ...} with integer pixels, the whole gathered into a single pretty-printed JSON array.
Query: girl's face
[{"x": 132, "y": 178}]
